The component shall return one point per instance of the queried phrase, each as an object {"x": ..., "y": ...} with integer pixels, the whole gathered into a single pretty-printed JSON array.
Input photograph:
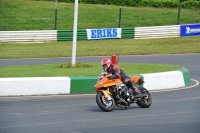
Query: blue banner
[{"x": 190, "y": 30}]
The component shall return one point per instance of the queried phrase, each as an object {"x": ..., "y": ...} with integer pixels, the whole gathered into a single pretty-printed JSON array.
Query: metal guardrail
[
  {"x": 67, "y": 35},
  {"x": 28, "y": 36},
  {"x": 157, "y": 32}
]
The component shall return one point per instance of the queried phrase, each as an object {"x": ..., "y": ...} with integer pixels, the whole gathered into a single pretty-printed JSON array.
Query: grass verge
[
  {"x": 102, "y": 48},
  {"x": 50, "y": 70}
]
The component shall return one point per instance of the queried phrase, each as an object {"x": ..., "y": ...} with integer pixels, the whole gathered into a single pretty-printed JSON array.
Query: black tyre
[
  {"x": 106, "y": 104},
  {"x": 146, "y": 101}
]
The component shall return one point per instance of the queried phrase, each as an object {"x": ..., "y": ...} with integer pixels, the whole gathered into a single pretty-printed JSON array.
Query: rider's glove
[{"x": 113, "y": 77}]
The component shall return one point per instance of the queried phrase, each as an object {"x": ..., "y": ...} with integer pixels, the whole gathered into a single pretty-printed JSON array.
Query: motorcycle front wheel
[{"x": 105, "y": 104}]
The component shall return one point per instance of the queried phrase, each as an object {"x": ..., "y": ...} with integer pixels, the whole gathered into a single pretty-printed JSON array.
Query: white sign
[{"x": 103, "y": 33}]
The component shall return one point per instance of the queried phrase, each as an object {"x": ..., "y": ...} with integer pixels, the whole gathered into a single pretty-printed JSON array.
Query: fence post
[
  {"x": 120, "y": 14},
  {"x": 56, "y": 12},
  {"x": 179, "y": 11}
]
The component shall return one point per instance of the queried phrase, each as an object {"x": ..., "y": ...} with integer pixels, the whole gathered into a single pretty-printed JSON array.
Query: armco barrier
[
  {"x": 85, "y": 84},
  {"x": 157, "y": 32},
  {"x": 67, "y": 35},
  {"x": 28, "y": 36}
]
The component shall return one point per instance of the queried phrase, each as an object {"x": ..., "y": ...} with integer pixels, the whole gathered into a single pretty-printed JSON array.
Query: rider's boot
[
  {"x": 136, "y": 91},
  {"x": 131, "y": 94}
]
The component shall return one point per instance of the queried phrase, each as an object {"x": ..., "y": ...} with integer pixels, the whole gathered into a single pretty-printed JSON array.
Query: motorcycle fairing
[
  {"x": 106, "y": 92},
  {"x": 137, "y": 80},
  {"x": 106, "y": 82}
]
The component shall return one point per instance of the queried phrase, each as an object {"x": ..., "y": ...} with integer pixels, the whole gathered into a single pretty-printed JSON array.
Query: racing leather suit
[{"x": 119, "y": 73}]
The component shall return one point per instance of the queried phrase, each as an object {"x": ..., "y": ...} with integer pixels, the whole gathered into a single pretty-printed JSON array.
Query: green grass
[
  {"x": 102, "y": 47},
  {"x": 39, "y": 15},
  {"x": 50, "y": 70}
]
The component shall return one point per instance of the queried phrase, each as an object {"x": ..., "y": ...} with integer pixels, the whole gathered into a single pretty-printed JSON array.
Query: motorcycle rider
[{"x": 117, "y": 72}]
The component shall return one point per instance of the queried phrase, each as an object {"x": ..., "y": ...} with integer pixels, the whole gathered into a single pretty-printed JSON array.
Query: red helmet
[{"x": 106, "y": 64}]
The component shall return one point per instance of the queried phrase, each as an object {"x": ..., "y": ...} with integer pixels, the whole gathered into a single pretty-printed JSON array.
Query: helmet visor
[{"x": 104, "y": 67}]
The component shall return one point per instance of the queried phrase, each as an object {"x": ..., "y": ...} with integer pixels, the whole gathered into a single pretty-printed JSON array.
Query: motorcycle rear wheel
[
  {"x": 105, "y": 104},
  {"x": 145, "y": 102}
]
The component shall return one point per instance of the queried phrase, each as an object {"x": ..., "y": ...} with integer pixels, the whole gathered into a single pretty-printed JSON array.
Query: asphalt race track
[{"x": 175, "y": 111}]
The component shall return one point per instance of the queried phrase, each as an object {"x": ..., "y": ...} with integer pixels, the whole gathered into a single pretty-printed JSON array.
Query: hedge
[{"x": 140, "y": 3}]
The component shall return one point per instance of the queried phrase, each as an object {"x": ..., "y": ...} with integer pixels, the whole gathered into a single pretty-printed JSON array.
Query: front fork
[{"x": 106, "y": 93}]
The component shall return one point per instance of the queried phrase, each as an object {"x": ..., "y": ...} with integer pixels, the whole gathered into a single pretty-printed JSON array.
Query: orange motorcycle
[{"x": 113, "y": 92}]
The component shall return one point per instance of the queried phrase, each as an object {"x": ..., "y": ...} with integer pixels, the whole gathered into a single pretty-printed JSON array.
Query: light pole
[{"x": 75, "y": 32}]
